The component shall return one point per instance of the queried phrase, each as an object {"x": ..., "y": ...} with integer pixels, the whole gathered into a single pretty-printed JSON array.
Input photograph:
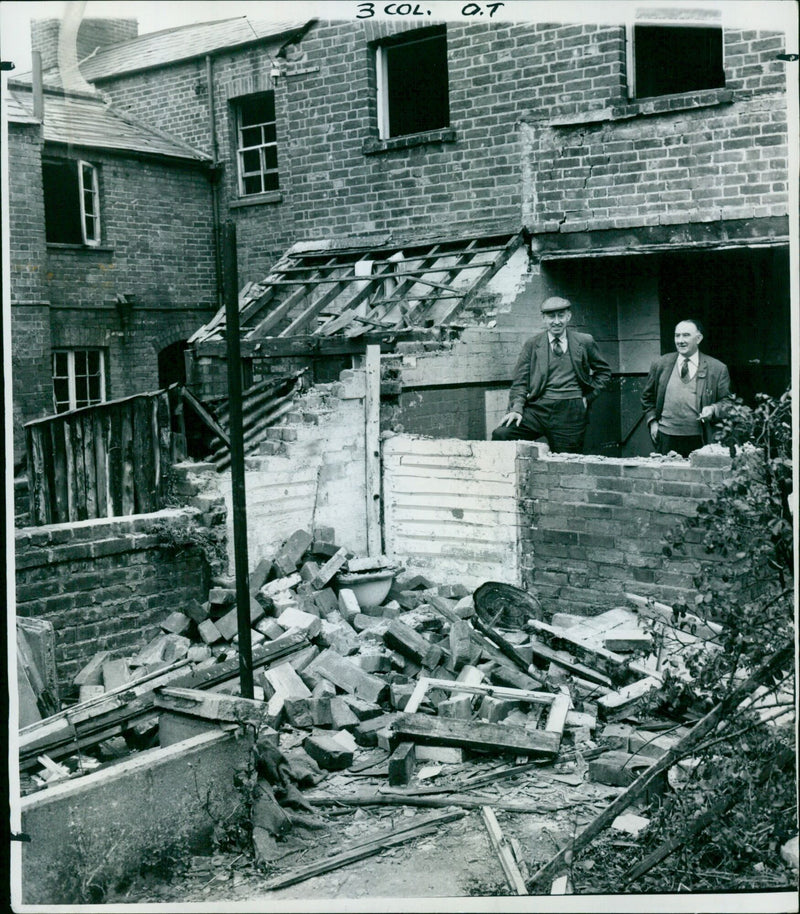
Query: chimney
[{"x": 92, "y": 34}]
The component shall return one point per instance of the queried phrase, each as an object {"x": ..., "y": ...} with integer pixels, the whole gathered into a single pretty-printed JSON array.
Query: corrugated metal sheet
[
  {"x": 84, "y": 121},
  {"x": 158, "y": 49},
  {"x": 327, "y": 289}
]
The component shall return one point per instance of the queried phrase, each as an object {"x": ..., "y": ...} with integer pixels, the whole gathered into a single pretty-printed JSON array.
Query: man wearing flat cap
[{"x": 557, "y": 376}]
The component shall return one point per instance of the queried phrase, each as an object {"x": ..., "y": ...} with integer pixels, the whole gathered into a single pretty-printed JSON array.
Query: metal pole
[{"x": 231, "y": 291}]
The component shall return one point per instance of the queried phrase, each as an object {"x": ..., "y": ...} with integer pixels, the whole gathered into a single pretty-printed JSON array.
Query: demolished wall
[
  {"x": 578, "y": 531},
  {"x": 107, "y": 584},
  {"x": 310, "y": 472}
]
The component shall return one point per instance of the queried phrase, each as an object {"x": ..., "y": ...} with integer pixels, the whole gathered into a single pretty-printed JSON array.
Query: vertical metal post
[{"x": 231, "y": 292}]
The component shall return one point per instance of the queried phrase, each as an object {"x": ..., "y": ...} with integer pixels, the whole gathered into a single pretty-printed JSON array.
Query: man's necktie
[
  {"x": 557, "y": 346},
  {"x": 685, "y": 370}
]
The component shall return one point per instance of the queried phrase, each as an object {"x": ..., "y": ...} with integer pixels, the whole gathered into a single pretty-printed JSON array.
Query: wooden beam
[
  {"x": 372, "y": 449},
  {"x": 771, "y": 668},
  {"x": 476, "y": 734},
  {"x": 503, "y": 851},
  {"x": 448, "y": 685},
  {"x": 363, "y": 849}
]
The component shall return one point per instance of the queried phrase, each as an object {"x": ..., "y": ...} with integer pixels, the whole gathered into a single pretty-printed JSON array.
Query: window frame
[
  {"x": 241, "y": 149},
  {"x": 382, "y": 51},
  {"x": 689, "y": 18},
  {"x": 61, "y": 406},
  {"x": 93, "y": 193}
]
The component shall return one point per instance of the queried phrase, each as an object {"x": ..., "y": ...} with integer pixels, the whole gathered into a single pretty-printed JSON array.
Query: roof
[
  {"x": 81, "y": 120},
  {"x": 158, "y": 49},
  {"x": 16, "y": 112},
  {"x": 325, "y": 289}
]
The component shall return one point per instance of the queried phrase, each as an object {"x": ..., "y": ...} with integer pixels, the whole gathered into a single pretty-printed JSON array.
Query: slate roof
[
  {"x": 158, "y": 49},
  {"x": 326, "y": 288},
  {"x": 81, "y": 120}
]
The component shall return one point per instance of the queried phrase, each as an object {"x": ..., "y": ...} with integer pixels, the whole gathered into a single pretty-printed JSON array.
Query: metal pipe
[
  {"x": 212, "y": 127},
  {"x": 38, "y": 86},
  {"x": 240, "y": 558}
]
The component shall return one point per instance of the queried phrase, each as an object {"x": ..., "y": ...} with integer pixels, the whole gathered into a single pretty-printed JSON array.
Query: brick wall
[
  {"x": 579, "y": 532},
  {"x": 596, "y": 526},
  {"x": 543, "y": 132},
  {"x": 105, "y": 584},
  {"x": 92, "y": 34},
  {"x": 310, "y": 472}
]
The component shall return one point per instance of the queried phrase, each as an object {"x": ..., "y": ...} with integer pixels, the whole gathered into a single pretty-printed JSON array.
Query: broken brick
[{"x": 328, "y": 753}]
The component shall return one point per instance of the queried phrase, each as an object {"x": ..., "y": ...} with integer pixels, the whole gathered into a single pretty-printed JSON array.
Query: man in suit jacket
[
  {"x": 558, "y": 374},
  {"x": 685, "y": 393}
]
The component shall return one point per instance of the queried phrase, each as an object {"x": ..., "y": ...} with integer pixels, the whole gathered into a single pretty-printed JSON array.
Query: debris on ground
[{"x": 378, "y": 689}]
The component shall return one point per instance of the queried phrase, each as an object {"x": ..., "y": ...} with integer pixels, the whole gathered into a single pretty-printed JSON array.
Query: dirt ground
[{"x": 456, "y": 862}]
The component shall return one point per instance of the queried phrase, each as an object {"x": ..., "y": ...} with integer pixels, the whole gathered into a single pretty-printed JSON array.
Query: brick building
[{"x": 645, "y": 163}]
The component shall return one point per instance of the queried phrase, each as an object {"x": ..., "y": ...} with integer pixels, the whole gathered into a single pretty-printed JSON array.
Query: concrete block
[
  {"x": 338, "y": 635},
  {"x": 279, "y": 585},
  {"x": 327, "y": 601},
  {"x": 616, "y": 736},
  {"x": 401, "y": 764},
  {"x": 178, "y": 623},
  {"x": 228, "y": 625},
  {"x": 447, "y": 755},
  {"x": 399, "y": 693},
  {"x": 90, "y": 690},
  {"x": 616, "y": 768},
  {"x": 470, "y": 675},
  {"x": 628, "y": 640},
  {"x": 373, "y": 661},
  {"x": 103, "y": 810},
  {"x": 116, "y": 673},
  {"x": 464, "y": 608},
  {"x": 327, "y": 753},
  {"x": 197, "y": 653},
  {"x": 269, "y": 628},
  {"x": 458, "y": 707},
  {"x": 209, "y": 632},
  {"x": 284, "y": 681},
  {"x": 92, "y": 673},
  {"x": 348, "y": 605},
  {"x": 630, "y": 823},
  {"x": 320, "y": 710},
  {"x": 342, "y": 715},
  {"x": 298, "y": 712},
  {"x": 222, "y": 596},
  {"x": 260, "y": 575},
  {"x": 290, "y": 553},
  {"x": 296, "y": 618},
  {"x": 197, "y": 611},
  {"x": 496, "y": 709},
  {"x": 329, "y": 569}
]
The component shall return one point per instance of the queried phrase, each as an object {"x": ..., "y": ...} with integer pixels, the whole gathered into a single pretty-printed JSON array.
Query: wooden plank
[
  {"x": 614, "y": 665},
  {"x": 115, "y": 460},
  {"x": 476, "y": 734},
  {"x": 449, "y": 685},
  {"x": 78, "y": 508},
  {"x": 127, "y": 503},
  {"x": 769, "y": 670},
  {"x": 40, "y": 500},
  {"x": 143, "y": 457},
  {"x": 363, "y": 849},
  {"x": 558, "y": 713},
  {"x": 280, "y": 311},
  {"x": 372, "y": 446},
  {"x": 503, "y": 851},
  {"x": 164, "y": 451},
  {"x": 100, "y": 425},
  {"x": 663, "y": 613},
  {"x": 89, "y": 465}
]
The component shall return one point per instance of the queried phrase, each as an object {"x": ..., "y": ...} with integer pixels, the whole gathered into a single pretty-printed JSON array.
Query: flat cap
[{"x": 554, "y": 303}]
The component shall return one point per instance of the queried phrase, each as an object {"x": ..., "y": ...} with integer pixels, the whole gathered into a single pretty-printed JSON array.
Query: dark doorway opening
[
  {"x": 742, "y": 299},
  {"x": 172, "y": 365}
]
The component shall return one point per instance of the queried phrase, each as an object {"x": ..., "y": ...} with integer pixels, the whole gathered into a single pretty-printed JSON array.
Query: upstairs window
[
  {"x": 413, "y": 91},
  {"x": 257, "y": 145},
  {"x": 674, "y": 55},
  {"x": 79, "y": 378},
  {"x": 71, "y": 202}
]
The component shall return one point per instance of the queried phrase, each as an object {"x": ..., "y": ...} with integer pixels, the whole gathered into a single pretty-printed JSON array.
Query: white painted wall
[{"x": 450, "y": 508}]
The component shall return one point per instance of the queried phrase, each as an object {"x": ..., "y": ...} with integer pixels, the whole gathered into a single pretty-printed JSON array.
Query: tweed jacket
[
  {"x": 713, "y": 389},
  {"x": 530, "y": 372}
]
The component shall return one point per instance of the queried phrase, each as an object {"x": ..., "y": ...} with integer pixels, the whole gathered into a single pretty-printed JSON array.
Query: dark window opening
[
  {"x": 672, "y": 59},
  {"x": 71, "y": 202},
  {"x": 413, "y": 74}
]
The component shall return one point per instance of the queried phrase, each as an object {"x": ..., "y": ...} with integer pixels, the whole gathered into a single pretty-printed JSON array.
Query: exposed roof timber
[
  {"x": 719, "y": 235},
  {"x": 326, "y": 290}
]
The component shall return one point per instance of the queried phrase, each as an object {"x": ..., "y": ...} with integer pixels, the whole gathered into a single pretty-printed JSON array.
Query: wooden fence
[{"x": 107, "y": 460}]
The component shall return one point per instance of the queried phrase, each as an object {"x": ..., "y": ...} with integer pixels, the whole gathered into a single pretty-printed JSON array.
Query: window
[
  {"x": 256, "y": 145},
  {"x": 668, "y": 57},
  {"x": 412, "y": 83},
  {"x": 79, "y": 378},
  {"x": 71, "y": 202}
]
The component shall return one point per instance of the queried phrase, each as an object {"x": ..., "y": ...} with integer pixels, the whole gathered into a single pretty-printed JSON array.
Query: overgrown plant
[
  {"x": 190, "y": 535},
  {"x": 736, "y": 803}
]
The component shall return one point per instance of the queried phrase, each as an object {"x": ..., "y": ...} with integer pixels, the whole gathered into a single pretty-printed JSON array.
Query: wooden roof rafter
[{"x": 325, "y": 290}]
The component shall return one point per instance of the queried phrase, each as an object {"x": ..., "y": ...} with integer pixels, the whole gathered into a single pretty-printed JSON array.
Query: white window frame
[
  {"x": 90, "y": 216},
  {"x": 241, "y": 149},
  {"x": 71, "y": 378},
  {"x": 667, "y": 17}
]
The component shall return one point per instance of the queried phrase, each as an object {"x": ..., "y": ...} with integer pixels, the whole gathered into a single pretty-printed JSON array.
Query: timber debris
[{"x": 371, "y": 682}]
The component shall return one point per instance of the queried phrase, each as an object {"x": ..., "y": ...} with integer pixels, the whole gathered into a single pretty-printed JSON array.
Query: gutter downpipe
[{"x": 212, "y": 126}]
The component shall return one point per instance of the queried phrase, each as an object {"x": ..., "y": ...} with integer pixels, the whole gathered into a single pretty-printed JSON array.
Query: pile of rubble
[{"x": 364, "y": 670}]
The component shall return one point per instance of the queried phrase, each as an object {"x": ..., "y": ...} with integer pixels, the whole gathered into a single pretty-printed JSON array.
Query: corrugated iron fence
[{"x": 107, "y": 460}]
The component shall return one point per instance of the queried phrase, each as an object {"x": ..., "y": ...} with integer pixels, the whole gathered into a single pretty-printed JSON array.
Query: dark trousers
[
  {"x": 562, "y": 423},
  {"x": 681, "y": 444}
]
